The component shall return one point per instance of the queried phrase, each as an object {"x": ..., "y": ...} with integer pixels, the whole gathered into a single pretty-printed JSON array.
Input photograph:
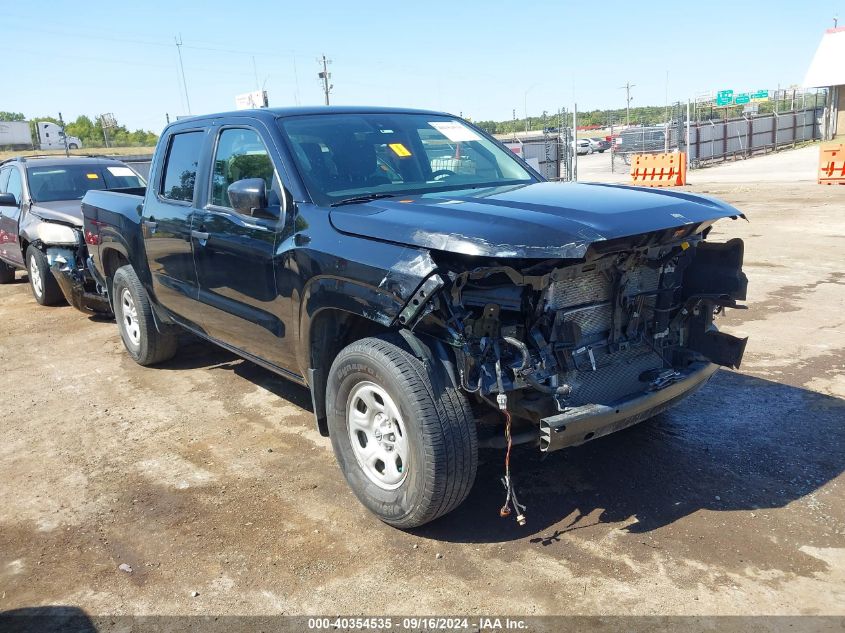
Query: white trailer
[{"x": 15, "y": 134}]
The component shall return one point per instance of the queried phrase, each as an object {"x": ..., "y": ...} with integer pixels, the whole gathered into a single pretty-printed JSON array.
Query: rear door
[
  {"x": 12, "y": 182},
  {"x": 235, "y": 253},
  {"x": 169, "y": 207}
]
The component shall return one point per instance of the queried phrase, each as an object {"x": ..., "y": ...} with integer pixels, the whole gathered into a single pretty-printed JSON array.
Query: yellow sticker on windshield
[
  {"x": 92, "y": 176},
  {"x": 400, "y": 150}
]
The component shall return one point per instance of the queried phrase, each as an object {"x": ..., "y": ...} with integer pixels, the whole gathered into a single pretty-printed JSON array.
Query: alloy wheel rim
[
  {"x": 378, "y": 435},
  {"x": 130, "y": 317},
  {"x": 35, "y": 276}
]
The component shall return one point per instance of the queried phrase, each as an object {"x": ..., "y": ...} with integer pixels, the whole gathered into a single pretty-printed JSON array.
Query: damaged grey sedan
[
  {"x": 430, "y": 289},
  {"x": 41, "y": 223}
]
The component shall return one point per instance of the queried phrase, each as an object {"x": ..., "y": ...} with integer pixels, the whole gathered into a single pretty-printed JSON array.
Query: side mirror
[
  {"x": 8, "y": 200},
  {"x": 249, "y": 197}
]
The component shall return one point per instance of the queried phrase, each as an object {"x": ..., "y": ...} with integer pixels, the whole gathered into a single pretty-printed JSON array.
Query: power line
[{"x": 182, "y": 67}]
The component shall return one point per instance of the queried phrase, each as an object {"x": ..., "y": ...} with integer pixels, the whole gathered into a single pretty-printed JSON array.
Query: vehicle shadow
[
  {"x": 741, "y": 443},
  {"x": 195, "y": 353},
  {"x": 49, "y": 619}
]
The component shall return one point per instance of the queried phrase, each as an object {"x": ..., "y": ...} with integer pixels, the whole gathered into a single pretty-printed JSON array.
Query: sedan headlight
[{"x": 50, "y": 233}]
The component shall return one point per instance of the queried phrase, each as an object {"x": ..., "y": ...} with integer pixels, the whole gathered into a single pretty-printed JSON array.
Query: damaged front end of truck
[
  {"x": 574, "y": 348},
  {"x": 71, "y": 268}
]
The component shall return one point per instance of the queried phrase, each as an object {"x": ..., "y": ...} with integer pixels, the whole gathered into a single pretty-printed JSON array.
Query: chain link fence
[{"x": 789, "y": 118}]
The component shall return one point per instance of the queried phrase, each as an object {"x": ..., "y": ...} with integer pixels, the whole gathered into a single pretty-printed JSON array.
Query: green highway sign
[
  {"x": 724, "y": 97},
  {"x": 760, "y": 95},
  {"x": 742, "y": 98}
]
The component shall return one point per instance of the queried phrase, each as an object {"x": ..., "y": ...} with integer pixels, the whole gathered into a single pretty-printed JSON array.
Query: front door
[
  {"x": 235, "y": 253},
  {"x": 166, "y": 224},
  {"x": 10, "y": 249}
]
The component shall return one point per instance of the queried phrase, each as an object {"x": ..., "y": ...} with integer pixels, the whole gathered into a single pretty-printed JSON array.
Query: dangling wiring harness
[{"x": 510, "y": 496}]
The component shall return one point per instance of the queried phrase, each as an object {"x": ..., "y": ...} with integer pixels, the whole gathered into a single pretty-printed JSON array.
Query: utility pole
[
  {"x": 525, "y": 104},
  {"x": 525, "y": 108},
  {"x": 627, "y": 87},
  {"x": 182, "y": 68},
  {"x": 64, "y": 135},
  {"x": 689, "y": 138},
  {"x": 105, "y": 134},
  {"x": 107, "y": 121},
  {"x": 296, "y": 81},
  {"x": 325, "y": 75},
  {"x": 575, "y": 142}
]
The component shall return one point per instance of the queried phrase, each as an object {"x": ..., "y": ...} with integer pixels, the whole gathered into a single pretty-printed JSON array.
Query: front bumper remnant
[
  {"x": 578, "y": 425},
  {"x": 77, "y": 284}
]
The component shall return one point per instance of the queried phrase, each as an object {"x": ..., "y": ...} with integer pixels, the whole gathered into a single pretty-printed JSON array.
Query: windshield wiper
[{"x": 366, "y": 198}]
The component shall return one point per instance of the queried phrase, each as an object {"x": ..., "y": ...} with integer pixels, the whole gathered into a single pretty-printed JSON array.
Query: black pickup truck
[{"x": 426, "y": 285}]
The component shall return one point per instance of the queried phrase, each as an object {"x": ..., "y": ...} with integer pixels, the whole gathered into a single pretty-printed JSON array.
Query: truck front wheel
[
  {"x": 408, "y": 451},
  {"x": 134, "y": 316}
]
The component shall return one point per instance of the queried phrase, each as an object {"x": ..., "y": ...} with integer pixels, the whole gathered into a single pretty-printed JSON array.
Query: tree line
[
  {"x": 646, "y": 115},
  {"x": 650, "y": 115},
  {"x": 90, "y": 131}
]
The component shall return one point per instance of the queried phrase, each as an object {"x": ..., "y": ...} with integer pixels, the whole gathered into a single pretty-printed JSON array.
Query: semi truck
[{"x": 19, "y": 135}]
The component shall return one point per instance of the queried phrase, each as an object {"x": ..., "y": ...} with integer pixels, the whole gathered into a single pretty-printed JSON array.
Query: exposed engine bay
[{"x": 579, "y": 348}]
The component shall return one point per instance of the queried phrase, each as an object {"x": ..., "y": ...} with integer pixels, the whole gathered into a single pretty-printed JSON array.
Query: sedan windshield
[
  {"x": 355, "y": 157},
  {"x": 70, "y": 182}
]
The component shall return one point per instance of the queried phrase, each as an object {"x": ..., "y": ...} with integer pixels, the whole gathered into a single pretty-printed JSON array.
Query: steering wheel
[{"x": 442, "y": 172}]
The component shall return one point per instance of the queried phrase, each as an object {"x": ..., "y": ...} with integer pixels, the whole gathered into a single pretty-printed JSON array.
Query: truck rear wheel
[
  {"x": 44, "y": 286},
  {"x": 134, "y": 315},
  {"x": 409, "y": 453}
]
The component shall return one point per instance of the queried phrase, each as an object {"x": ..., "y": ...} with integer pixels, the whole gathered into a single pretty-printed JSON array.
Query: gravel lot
[{"x": 207, "y": 475}]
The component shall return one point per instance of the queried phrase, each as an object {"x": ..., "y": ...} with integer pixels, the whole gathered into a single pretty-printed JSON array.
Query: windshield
[
  {"x": 70, "y": 182},
  {"x": 343, "y": 156}
]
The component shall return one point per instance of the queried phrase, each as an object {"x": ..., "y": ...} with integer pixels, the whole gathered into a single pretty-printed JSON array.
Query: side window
[
  {"x": 4, "y": 178},
  {"x": 180, "y": 167},
  {"x": 240, "y": 154},
  {"x": 14, "y": 185}
]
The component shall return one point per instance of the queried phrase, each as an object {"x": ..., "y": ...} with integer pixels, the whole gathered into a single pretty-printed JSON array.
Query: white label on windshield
[
  {"x": 454, "y": 131},
  {"x": 120, "y": 171}
]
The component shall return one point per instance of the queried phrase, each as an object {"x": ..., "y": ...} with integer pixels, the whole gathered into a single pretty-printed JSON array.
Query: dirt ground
[{"x": 207, "y": 475}]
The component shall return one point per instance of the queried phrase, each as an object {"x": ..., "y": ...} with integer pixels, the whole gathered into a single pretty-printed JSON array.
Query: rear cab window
[{"x": 180, "y": 167}]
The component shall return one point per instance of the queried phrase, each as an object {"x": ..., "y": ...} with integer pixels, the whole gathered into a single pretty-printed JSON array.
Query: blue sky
[{"x": 482, "y": 59}]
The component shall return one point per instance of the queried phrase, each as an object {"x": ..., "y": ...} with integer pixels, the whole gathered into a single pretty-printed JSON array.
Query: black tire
[
  {"x": 44, "y": 286},
  {"x": 134, "y": 315},
  {"x": 7, "y": 273},
  {"x": 439, "y": 428},
  {"x": 73, "y": 146}
]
